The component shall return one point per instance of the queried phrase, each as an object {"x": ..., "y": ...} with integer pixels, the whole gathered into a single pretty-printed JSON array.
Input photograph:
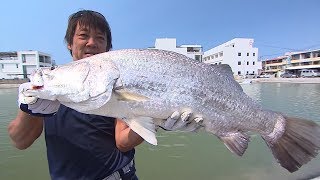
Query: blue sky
[{"x": 278, "y": 26}]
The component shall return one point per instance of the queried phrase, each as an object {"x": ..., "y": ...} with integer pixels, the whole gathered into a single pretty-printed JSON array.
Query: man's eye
[
  {"x": 83, "y": 35},
  {"x": 101, "y": 38}
]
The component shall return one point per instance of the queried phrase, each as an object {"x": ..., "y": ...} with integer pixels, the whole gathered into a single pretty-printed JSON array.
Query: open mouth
[{"x": 88, "y": 54}]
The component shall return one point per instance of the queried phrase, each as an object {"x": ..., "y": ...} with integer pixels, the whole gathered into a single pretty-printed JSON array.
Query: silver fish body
[{"x": 140, "y": 86}]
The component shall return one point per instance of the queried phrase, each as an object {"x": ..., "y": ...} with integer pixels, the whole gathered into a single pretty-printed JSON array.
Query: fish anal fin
[
  {"x": 125, "y": 95},
  {"x": 236, "y": 142},
  {"x": 145, "y": 127}
]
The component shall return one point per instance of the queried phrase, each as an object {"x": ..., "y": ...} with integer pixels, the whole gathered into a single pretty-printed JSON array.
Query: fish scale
[{"x": 145, "y": 86}]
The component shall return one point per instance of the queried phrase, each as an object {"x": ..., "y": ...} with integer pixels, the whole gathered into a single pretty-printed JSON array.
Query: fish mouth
[{"x": 36, "y": 87}]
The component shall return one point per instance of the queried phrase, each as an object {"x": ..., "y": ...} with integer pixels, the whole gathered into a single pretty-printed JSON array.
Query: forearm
[
  {"x": 126, "y": 139},
  {"x": 25, "y": 129}
]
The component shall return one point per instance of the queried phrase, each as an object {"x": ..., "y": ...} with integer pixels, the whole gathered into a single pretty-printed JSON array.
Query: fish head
[
  {"x": 82, "y": 85},
  {"x": 65, "y": 83}
]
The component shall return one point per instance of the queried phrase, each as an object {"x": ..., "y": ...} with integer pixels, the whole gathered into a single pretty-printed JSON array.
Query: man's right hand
[{"x": 33, "y": 105}]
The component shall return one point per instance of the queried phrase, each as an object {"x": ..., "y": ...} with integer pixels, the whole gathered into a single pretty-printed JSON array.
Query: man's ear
[{"x": 69, "y": 47}]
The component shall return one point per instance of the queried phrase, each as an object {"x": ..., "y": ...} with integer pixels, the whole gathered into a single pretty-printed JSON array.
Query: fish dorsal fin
[
  {"x": 236, "y": 142},
  {"x": 125, "y": 95},
  {"x": 224, "y": 68},
  {"x": 145, "y": 127},
  {"x": 225, "y": 71}
]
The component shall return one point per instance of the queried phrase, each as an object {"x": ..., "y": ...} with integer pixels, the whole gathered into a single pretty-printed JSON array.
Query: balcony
[
  {"x": 271, "y": 70},
  {"x": 276, "y": 64}
]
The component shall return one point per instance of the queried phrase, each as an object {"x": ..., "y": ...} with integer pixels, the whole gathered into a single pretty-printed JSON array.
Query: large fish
[{"x": 143, "y": 86}]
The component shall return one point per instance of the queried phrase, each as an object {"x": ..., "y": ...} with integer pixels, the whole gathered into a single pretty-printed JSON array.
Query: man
[{"x": 82, "y": 146}]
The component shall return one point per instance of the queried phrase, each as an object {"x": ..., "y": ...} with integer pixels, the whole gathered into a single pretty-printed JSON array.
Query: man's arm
[
  {"x": 25, "y": 129},
  {"x": 126, "y": 139},
  {"x": 28, "y": 124}
]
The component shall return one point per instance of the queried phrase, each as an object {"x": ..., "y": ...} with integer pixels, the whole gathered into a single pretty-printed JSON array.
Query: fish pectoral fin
[
  {"x": 90, "y": 104},
  {"x": 145, "y": 127},
  {"x": 125, "y": 95},
  {"x": 236, "y": 142}
]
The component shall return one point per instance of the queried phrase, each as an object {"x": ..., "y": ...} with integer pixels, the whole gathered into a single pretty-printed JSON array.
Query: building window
[
  {"x": 254, "y": 54},
  {"x": 247, "y": 54},
  {"x": 239, "y": 54},
  {"x": 23, "y": 58},
  {"x": 197, "y": 57},
  {"x": 17, "y": 65},
  {"x": 247, "y": 72},
  {"x": 253, "y": 63},
  {"x": 247, "y": 62},
  {"x": 239, "y": 62},
  {"x": 253, "y": 72},
  {"x": 220, "y": 54},
  {"x": 239, "y": 72},
  {"x": 2, "y": 65}
]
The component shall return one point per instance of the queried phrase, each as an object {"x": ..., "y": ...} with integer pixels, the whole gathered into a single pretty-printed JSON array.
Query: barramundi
[{"x": 143, "y": 86}]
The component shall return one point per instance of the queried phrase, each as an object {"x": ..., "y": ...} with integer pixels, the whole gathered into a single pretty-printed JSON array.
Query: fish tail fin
[{"x": 298, "y": 143}]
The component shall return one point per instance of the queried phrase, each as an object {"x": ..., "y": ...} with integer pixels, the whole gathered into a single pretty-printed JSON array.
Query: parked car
[
  {"x": 288, "y": 75},
  {"x": 251, "y": 76},
  {"x": 309, "y": 73},
  {"x": 265, "y": 76}
]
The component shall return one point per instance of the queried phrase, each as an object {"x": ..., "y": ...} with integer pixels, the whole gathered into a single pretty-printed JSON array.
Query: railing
[{"x": 8, "y": 59}]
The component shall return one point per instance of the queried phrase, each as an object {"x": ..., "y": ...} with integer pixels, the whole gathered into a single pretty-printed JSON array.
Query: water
[{"x": 183, "y": 155}]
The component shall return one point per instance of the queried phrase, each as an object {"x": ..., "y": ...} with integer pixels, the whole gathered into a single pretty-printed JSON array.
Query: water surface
[{"x": 183, "y": 155}]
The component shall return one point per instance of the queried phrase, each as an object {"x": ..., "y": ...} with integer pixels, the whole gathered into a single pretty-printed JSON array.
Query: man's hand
[
  {"x": 33, "y": 105},
  {"x": 181, "y": 122}
]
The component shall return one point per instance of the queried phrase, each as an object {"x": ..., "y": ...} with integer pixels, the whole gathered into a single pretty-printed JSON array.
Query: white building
[
  {"x": 239, "y": 53},
  {"x": 20, "y": 64},
  {"x": 170, "y": 44}
]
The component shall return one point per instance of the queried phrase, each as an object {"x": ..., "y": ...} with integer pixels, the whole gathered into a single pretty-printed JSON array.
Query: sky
[{"x": 277, "y": 26}]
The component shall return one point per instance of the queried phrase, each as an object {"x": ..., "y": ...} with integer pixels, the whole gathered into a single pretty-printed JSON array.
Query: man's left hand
[{"x": 181, "y": 122}]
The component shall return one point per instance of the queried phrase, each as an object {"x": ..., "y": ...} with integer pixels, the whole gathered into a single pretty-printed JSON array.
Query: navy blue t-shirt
[{"x": 82, "y": 146}]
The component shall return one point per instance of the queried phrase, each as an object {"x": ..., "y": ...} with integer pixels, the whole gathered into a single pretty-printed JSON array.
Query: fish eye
[{"x": 48, "y": 76}]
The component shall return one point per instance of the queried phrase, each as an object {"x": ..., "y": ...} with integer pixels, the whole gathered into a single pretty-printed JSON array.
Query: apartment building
[
  {"x": 170, "y": 44},
  {"x": 239, "y": 53},
  {"x": 20, "y": 64},
  {"x": 293, "y": 62},
  {"x": 303, "y": 60},
  {"x": 274, "y": 65}
]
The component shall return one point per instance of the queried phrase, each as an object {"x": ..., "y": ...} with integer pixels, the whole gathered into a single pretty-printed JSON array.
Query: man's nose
[{"x": 92, "y": 42}]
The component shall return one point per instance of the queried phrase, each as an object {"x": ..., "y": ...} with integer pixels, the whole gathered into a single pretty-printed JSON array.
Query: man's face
[{"x": 87, "y": 42}]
